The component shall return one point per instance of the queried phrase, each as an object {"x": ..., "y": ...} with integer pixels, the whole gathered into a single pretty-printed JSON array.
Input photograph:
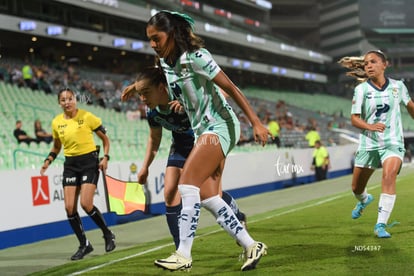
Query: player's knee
[
  {"x": 70, "y": 210},
  {"x": 87, "y": 206}
]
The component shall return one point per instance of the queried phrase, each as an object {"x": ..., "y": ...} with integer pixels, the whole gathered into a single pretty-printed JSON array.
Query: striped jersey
[
  {"x": 380, "y": 105},
  {"x": 190, "y": 81}
]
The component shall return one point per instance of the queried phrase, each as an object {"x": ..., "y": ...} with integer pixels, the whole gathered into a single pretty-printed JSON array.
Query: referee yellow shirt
[{"x": 76, "y": 134}]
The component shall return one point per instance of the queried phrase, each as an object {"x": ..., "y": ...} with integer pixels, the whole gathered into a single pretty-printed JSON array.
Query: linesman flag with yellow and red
[{"x": 124, "y": 197}]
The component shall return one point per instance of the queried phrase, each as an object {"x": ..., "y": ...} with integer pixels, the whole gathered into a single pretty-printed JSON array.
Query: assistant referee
[{"x": 73, "y": 129}]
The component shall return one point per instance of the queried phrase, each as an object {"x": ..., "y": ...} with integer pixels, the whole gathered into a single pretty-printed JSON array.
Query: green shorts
[
  {"x": 228, "y": 134},
  {"x": 373, "y": 159}
]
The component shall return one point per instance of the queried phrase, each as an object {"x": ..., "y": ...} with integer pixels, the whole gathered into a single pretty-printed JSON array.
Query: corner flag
[{"x": 124, "y": 197}]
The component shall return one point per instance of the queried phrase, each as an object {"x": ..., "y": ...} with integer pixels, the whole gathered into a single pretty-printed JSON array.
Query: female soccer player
[
  {"x": 163, "y": 112},
  {"x": 195, "y": 79},
  {"x": 376, "y": 111},
  {"x": 73, "y": 129}
]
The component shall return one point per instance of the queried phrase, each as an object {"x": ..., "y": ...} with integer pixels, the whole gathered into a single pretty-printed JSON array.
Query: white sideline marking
[
  {"x": 119, "y": 260},
  {"x": 209, "y": 233},
  {"x": 134, "y": 255}
]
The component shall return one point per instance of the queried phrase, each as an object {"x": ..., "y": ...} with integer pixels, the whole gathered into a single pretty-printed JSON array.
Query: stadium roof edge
[{"x": 127, "y": 10}]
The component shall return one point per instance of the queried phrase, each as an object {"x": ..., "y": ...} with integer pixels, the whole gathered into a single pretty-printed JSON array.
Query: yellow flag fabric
[{"x": 124, "y": 197}]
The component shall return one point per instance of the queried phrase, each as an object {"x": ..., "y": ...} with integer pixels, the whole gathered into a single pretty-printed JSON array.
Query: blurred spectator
[
  {"x": 4, "y": 72},
  {"x": 21, "y": 135},
  {"x": 108, "y": 84},
  {"x": 274, "y": 129},
  {"x": 312, "y": 136},
  {"x": 289, "y": 123},
  {"x": 298, "y": 126},
  {"x": 320, "y": 161},
  {"x": 246, "y": 132},
  {"x": 332, "y": 125},
  {"x": 331, "y": 142},
  {"x": 28, "y": 76},
  {"x": 41, "y": 76},
  {"x": 312, "y": 124},
  {"x": 41, "y": 134},
  {"x": 16, "y": 77}
]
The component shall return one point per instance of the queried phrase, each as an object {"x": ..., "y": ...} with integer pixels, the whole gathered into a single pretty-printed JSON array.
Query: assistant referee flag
[{"x": 124, "y": 197}]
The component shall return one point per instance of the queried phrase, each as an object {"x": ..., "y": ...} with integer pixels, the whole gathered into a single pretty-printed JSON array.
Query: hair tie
[{"x": 184, "y": 16}]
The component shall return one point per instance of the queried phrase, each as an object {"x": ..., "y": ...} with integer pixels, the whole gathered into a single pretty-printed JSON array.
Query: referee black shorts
[{"x": 81, "y": 169}]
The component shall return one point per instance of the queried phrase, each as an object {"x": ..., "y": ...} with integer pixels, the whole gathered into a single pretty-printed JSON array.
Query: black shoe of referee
[
  {"x": 109, "y": 242},
  {"x": 82, "y": 251}
]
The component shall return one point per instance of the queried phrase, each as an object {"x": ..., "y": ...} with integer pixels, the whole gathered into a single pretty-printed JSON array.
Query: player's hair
[
  {"x": 63, "y": 90},
  {"x": 356, "y": 64},
  {"x": 180, "y": 33},
  {"x": 153, "y": 74}
]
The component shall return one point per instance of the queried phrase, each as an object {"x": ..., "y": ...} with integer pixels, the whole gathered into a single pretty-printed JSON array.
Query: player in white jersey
[
  {"x": 164, "y": 113},
  {"x": 194, "y": 79},
  {"x": 376, "y": 111}
]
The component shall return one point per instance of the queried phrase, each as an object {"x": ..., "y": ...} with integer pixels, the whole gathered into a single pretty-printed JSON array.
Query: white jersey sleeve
[
  {"x": 405, "y": 97},
  {"x": 204, "y": 64},
  {"x": 358, "y": 100}
]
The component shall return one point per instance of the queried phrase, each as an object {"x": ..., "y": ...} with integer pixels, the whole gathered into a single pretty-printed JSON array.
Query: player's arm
[
  {"x": 259, "y": 130},
  {"x": 326, "y": 162},
  {"x": 410, "y": 108},
  {"x": 153, "y": 144},
  {"x": 224, "y": 93},
  {"x": 57, "y": 145},
  {"x": 101, "y": 133},
  {"x": 358, "y": 122}
]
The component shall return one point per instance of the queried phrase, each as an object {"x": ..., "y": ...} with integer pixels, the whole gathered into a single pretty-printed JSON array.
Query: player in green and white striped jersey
[
  {"x": 380, "y": 105},
  {"x": 376, "y": 111},
  {"x": 195, "y": 79}
]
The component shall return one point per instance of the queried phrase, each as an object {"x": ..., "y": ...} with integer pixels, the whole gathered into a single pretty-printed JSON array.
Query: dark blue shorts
[{"x": 178, "y": 154}]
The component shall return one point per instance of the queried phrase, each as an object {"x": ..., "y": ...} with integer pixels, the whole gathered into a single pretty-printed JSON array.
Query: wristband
[
  {"x": 107, "y": 156},
  {"x": 53, "y": 155}
]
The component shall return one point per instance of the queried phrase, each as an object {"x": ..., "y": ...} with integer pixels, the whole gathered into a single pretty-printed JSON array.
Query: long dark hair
[
  {"x": 153, "y": 74},
  {"x": 180, "y": 33}
]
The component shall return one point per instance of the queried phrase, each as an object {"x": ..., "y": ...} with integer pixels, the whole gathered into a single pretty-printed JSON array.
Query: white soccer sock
[
  {"x": 227, "y": 220},
  {"x": 385, "y": 206},
  {"x": 362, "y": 197},
  {"x": 188, "y": 221}
]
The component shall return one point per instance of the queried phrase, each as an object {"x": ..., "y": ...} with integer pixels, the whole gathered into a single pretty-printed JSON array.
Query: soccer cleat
[
  {"x": 82, "y": 251},
  {"x": 175, "y": 262},
  {"x": 253, "y": 255},
  {"x": 109, "y": 242},
  {"x": 359, "y": 208},
  {"x": 380, "y": 232}
]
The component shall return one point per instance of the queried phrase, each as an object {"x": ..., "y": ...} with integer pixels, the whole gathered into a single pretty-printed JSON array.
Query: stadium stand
[
  {"x": 128, "y": 138},
  {"x": 99, "y": 81}
]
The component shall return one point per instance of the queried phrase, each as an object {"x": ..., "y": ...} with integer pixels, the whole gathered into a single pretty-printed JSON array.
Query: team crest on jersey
[
  {"x": 395, "y": 92},
  {"x": 184, "y": 70}
]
